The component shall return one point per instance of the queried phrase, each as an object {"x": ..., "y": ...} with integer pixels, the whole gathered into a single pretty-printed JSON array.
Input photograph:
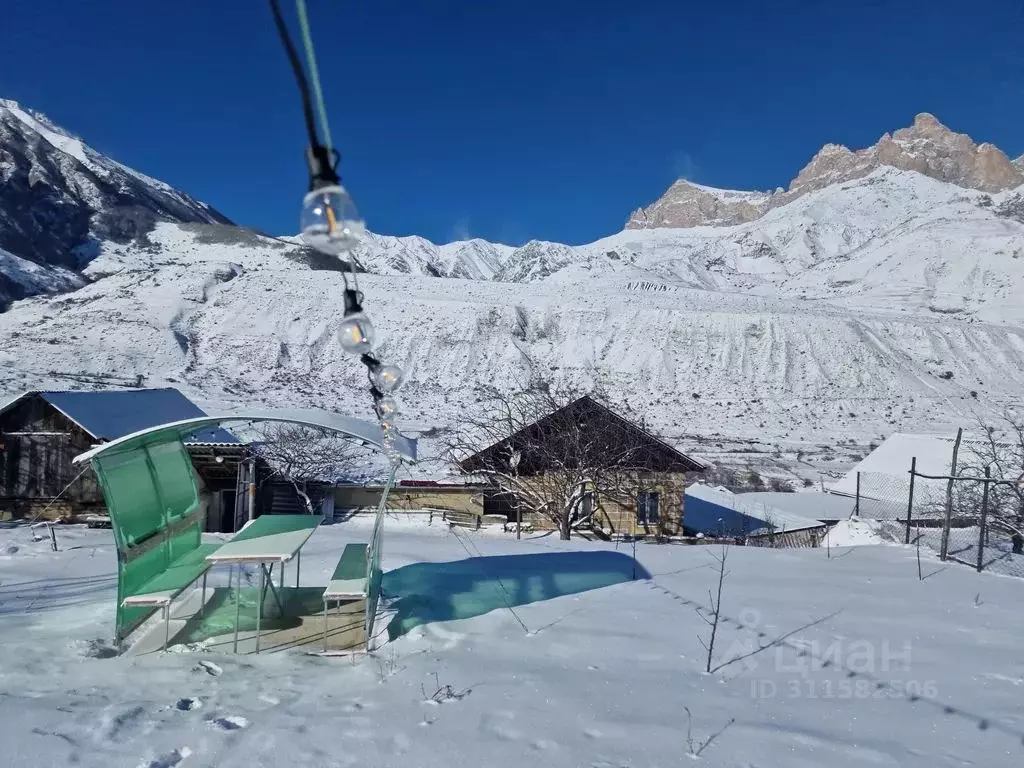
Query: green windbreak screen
[
  {"x": 149, "y": 487},
  {"x": 131, "y": 496},
  {"x": 174, "y": 478}
]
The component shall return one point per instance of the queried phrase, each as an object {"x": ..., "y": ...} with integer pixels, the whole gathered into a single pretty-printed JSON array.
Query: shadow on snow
[{"x": 422, "y": 593}]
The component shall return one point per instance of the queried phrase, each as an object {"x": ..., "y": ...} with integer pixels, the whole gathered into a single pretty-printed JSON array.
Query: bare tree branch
[
  {"x": 550, "y": 461},
  {"x": 304, "y": 457}
]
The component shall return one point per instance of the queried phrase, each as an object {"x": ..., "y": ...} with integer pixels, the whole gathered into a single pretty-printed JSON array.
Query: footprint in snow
[
  {"x": 230, "y": 723},
  {"x": 171, "y": 759},
  {"x": 188, "y": 704},
  {"x": 97, "y": 649}
]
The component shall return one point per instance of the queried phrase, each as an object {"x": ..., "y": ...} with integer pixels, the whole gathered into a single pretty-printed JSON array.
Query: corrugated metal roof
[
  {"x": 110, "y": 414},
  {"x": 773, "y": 517}
]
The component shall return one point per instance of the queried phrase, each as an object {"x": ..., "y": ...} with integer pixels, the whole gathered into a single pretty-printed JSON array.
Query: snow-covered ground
[{"x": 601, "y": 678}]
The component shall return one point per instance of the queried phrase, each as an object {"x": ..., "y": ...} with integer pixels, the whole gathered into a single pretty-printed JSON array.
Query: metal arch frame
[{"x": 366, "y": 431}]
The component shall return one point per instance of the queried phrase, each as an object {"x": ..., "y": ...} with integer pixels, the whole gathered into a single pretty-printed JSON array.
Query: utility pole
[{"x": 252, "y": 488}]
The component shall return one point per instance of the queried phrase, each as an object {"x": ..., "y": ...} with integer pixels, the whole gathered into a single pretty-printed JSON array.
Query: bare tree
[
  {"x": 1001, "y": 449},
  {"x": 693, "y": 746},
  {"x": 710, "y": 617},
  {"x": 304, "y": 457},
  {"x": 558, "y": 463}
]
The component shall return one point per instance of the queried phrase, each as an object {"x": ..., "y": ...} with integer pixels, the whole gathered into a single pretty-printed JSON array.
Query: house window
[{"x": 647, "y": 507}]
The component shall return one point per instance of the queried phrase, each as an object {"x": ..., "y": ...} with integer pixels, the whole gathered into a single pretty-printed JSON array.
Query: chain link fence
[{"x": 973, "y": 519}]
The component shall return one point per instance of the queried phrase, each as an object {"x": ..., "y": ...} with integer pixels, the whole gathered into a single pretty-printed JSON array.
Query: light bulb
[
  {"x": 329, "y": 221},
  {"x": 388, "y": 378},
  {"x": 387, "y": 408},
  {"x": 355, "y": 334}
]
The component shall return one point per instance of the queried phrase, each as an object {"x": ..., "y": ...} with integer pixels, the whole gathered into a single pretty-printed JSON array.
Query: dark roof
[
  {"x": 110, "y": 414},
  {"x": 655, "y": 454}
]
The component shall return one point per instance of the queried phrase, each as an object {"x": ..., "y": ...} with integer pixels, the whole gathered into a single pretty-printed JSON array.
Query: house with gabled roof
[
  {"x": 649, "y": 493},
  {"x": 42, "y": 431},
  {"x": 462, "y": 495}
]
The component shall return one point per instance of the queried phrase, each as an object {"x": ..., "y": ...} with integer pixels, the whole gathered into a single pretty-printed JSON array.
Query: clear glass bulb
[
  {"x": 387, "y": 408},
  {"x": 394, "y": 457},
  {"x": 388, "y": 378},
  {"x": 329, "y": 221},
  {"x": 355, "y": 334}
]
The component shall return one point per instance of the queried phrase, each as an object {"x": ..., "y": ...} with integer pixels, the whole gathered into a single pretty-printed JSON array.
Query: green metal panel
[
  {"x": 131, "y": 497},
  {"x": 373, "y": 570},
  {"x": 175, "y": 480},
  {"x": 150, "y": 488},
  {"x": 268, "y": 525},
  {"x": 352, "y": 564}
]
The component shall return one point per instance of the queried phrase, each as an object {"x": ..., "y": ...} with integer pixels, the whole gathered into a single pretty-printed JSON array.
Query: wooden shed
[{"x": 42, "y": 431}]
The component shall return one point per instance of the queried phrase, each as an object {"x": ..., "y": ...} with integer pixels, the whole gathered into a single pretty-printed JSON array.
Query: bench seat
[
  {"x": 165, "y": 586},
  {"x": 349, "y": 577}
]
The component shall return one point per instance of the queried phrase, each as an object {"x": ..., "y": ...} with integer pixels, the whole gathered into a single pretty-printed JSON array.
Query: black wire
[{"x": 300, "y": 75}]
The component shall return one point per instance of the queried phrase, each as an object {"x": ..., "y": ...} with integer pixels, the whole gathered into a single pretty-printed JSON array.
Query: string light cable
[{"x": 330, "y": 223}]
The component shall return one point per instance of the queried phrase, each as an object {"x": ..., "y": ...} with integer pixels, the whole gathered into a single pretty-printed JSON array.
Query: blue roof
[{"x": 110, "y": 414}]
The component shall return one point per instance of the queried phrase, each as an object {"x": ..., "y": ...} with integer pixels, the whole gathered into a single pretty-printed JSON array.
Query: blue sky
[{"x": 508, "y": 120}]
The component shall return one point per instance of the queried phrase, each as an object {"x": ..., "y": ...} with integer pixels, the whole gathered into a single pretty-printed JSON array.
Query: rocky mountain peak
[
  {"x": 927, "y": 147},
  {"x": 58, "y": 195},
  {"x": 686, "y": 204}
]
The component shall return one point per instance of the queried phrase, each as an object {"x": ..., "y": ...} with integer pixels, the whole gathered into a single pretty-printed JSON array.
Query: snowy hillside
[
  {"x": 888, "y": 301},
  {"x": 251, "y": 322}
]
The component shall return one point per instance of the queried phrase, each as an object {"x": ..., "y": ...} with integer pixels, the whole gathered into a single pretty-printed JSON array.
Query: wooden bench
[{"x": 348, "y": 582}]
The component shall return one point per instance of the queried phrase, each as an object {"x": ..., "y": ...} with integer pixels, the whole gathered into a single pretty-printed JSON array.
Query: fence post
[
  {"x": 856, "y": 503},
  {"x": 944, "y": 548},
  {"x": 910, "y": 503},
  {"x": 984, "y": 515}
]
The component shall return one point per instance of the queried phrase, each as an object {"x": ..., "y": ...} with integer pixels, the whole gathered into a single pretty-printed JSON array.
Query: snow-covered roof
[
  {"x": 774, "y": 518},
  {"x": 934, "y": 455},
  {"x": 810, "y": 504}
]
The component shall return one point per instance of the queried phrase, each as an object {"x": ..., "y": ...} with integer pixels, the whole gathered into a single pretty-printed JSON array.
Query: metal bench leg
[
  {"x": 202, "y": 604},
  {"x": 238, "y": 602},
  {"x": 269, "y": 584},
  {"x": 167, "y": 624},
  {"x": 259, "y": 604},
  {"x": 298, "y": 565},
  {"x": 325, "y": 624}
]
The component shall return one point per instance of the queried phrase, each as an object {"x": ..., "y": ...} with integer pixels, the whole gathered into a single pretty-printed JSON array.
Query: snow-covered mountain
[
  {"x": 926, "y": 147},
  {"x": 887, "y": 301},
  {"x": 60, "y": 200}
]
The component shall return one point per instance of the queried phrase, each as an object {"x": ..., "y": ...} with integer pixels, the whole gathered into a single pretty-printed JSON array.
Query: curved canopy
[{"x": 366, "y": 431}]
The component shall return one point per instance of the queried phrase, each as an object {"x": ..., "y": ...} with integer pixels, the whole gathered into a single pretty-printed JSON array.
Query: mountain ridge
[
  {"x": 927, "y": 147},
  {"x": 887, "y": 301},
  {"x": 60, "y": 200}
]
